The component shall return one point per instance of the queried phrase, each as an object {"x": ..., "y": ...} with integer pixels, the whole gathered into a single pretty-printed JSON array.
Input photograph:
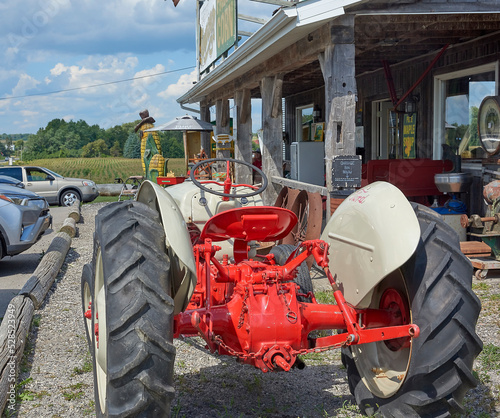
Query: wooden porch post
[
  {"x": 337, "y": 65},
  {"x": 205, "y": 136},
  {"x": 243, "y": 142},
  {"x": 272, "y": 131},
  {"x": 223, "y": 127}
]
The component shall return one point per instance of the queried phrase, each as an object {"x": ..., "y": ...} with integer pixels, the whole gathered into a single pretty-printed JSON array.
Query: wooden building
[{"x": 381, "y": 79}]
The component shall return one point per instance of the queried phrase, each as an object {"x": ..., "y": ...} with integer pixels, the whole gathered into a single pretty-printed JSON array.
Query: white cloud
[
  {"x": 28, "y": 113},
  {"x": 176, "y": 90},
  {"x": 25, "y": 83}
]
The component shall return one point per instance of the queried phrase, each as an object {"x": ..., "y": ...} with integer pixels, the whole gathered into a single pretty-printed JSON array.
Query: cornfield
[{"x": 103, "y": 170}]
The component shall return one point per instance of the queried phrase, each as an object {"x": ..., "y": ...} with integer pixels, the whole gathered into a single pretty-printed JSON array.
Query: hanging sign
[
  {"x": 217, "y": 29},
  {"x": 409, "y": 135}
]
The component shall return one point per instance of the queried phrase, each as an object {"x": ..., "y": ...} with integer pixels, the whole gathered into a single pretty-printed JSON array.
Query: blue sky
[{"x": 52, "y": 45}]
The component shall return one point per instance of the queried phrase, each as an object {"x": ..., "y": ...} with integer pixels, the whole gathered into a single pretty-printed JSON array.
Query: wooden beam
[
  {"x": 272, "y": 127},
  {"x": 252, "y": 19},
  {"x": 424, "y": 7},
  {"x": 282, "y": 3},
  {"x": 243, "y": 140},
  {"x": 298, "y": 185},
  {"x": 277, "y": 96},
  {"x": 245, "y": 33},
  {"x": 245, "y": 108}
]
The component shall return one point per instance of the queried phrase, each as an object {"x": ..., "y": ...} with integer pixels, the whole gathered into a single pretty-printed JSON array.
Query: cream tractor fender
[
  {"x": 177, "y": 240},
  {"x": 371, "y": 234}
]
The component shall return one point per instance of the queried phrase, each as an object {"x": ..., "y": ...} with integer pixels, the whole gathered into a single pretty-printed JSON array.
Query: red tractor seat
[{"x": 255, "y": 223}]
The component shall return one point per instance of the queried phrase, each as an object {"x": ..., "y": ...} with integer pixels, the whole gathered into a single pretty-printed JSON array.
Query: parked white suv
[{"x": 56, "y": 189}]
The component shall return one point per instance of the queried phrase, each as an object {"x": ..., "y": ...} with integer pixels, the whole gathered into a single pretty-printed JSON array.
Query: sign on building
[{"x": 217, "y": 30}]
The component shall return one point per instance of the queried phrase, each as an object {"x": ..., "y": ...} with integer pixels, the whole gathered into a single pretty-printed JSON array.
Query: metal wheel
[
  {"x": 383, "y": 365},
  {"x": 69, "y": 197},
  {"x": 481, "y": 274}
]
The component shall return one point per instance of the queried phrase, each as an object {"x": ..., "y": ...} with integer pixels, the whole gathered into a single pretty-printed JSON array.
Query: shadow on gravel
[{"x": 225, "y": 388}]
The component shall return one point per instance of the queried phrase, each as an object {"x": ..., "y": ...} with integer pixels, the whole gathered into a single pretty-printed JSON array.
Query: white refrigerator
[{"x": 307, "y": 162}]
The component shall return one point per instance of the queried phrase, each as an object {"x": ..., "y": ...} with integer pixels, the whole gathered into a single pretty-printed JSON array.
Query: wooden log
[
  {"x": 69, "y": 227},
  {"x": 74, "y": 211},
  {"x": 40, "y": 282},
  {"x": 13, "y": 333}
]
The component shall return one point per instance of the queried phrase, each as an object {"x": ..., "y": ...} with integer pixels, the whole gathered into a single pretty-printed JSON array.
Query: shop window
[
  {"x": 386, "y": 131},
  {"x": 458, "y": 97},
  {"x": 304, "y": 123}
]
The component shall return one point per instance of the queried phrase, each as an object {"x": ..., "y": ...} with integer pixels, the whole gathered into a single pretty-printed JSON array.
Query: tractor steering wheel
[{"x": 227, "y": 184}]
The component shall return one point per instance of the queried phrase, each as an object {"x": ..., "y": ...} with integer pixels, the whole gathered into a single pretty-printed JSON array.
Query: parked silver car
[
  {"x": 56, "y": 189},
  {"x": 24, "y": 217}
]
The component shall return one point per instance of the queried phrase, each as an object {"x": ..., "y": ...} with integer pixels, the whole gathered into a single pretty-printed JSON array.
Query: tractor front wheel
[
  {"x": 131, "y": 313},
  {"x": 430, "y": 375}
]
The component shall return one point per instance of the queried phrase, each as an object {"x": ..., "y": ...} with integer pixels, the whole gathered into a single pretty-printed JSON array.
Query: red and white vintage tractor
[{"x": 186, "y": 260}]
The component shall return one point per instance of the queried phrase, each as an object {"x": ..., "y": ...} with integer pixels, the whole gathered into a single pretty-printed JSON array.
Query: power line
[{"x": 96, "y": 85}]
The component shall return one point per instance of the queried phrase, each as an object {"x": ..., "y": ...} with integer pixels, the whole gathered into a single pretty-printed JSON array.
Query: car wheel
[
  {"x": 430, "y": 375},
  {"x": 132, "y": 313},
  {"x": 69, "y": 197},
  {"x": 1, "y": 247}
]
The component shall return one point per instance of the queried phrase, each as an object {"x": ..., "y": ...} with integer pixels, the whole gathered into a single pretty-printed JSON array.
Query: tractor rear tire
[
  {"x": 133, "y": 309},
  {"x": 437, "y": 371},
  {"x": 303, "y": 278}
]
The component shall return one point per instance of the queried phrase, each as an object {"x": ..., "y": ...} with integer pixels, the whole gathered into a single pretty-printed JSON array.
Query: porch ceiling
[{"x": 397, "y": 38}]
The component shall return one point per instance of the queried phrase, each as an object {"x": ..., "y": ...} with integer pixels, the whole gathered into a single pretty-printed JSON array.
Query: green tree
[
  {"x": 95, "y": 149},
  {"x": 132, "y": 147},
  {"x": 115, "y": 150},
  {"x": 172, "y": 145}
]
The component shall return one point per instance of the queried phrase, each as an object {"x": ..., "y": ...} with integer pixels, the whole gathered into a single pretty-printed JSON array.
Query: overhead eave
[{"x": 285, "y": 28}]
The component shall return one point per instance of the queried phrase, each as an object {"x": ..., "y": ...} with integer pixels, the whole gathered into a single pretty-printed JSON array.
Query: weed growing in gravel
[
  {"x": 480, "y": 286},
  {"x": 325, "y": 297},
  {"x": 490, "y": 357},
  {"x": 86, "y": 366},
  {"x": 255, "y": 385},
  {"x": 75, "y": 392},
  {"x": 90, "y": 410}
]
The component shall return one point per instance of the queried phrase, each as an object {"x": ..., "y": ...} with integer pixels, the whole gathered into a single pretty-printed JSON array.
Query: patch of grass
[
  {"x": 325, "y": 298},
  {"x": 90, "y": 410},
  {"x": 104, "y": 199},
  {"x": 75, "y": 391},
  {"x": 490, "y": 357},
  {"x": 255, "y": 385},
  {"x": 86, "y": 366},
  {"x": 36, "y": 321},
  {"x": 480, "y": 286}
]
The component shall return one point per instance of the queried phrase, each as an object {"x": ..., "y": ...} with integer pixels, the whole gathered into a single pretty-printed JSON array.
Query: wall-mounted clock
[{"x": 488, "y": 122}]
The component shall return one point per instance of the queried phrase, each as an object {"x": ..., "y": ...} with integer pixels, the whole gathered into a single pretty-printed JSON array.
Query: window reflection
[{"x": 463, "y": 97}]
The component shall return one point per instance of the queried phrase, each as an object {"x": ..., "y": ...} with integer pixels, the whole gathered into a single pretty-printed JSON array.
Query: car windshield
[{"x": 51, "y": 172}]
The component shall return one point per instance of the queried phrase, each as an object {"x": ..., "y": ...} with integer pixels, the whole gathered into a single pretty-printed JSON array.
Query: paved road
[{"x": 15, "y": 271}]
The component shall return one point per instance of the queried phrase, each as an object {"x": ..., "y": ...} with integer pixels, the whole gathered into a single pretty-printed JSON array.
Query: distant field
[{"x": 103, "y": 170}]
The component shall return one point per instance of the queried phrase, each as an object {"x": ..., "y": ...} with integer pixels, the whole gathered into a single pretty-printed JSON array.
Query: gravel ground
[{"x": 56, "y": 376}]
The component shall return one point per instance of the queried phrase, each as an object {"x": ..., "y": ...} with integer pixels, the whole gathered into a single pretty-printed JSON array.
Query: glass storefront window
[{"x": 463, "y": 95}]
